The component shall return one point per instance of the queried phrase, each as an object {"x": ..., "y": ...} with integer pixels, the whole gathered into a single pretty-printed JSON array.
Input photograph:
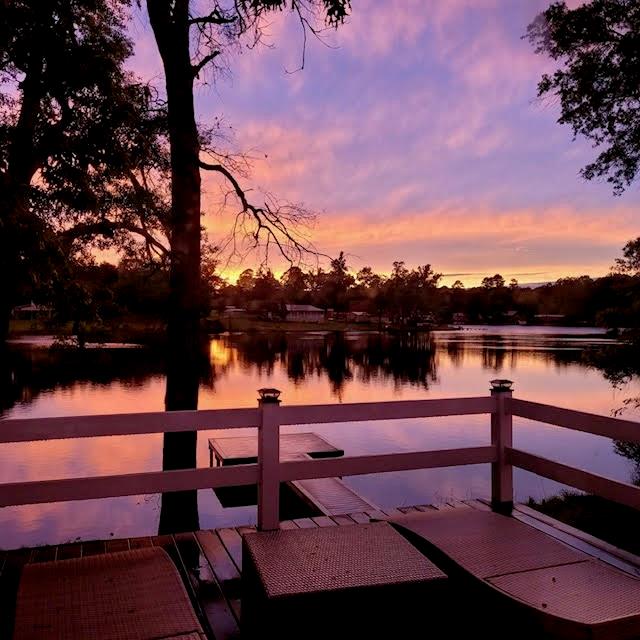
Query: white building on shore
[{"x": 304, "y": 313}]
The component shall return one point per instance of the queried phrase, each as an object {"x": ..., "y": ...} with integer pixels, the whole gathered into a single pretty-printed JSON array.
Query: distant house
[
  {"x": 359, "y": 317},
  {"x": 459, "y": 318},
  {"x": 304, "y": 313},
  {"x": 233, "y": 312},
  {"x": 31, "y": 312}
]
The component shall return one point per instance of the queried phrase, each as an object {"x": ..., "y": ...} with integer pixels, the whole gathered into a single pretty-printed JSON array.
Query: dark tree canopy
[
  {"x": 598, "y": 83},
  {"x": 81, "y": 153}
]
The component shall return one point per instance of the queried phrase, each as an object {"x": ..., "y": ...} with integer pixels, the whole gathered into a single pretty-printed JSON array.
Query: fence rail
[{"x": 271, "y": 471}]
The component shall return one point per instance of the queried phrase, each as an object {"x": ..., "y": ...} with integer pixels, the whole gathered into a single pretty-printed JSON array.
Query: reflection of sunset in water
[{"x": 310, "y": 369}]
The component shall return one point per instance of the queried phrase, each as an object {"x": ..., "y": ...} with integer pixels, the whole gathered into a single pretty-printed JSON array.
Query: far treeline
[{"x": 106, "y": 295}]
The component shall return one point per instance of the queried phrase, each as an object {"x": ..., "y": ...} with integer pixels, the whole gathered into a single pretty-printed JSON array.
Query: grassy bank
[
  {"x": 128, "y": 329},
  {"x": 254, "y": 324},
  {"x": 614, "y": 523}
]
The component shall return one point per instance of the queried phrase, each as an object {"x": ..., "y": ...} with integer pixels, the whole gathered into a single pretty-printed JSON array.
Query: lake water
[{"x": 552, "y": 365}]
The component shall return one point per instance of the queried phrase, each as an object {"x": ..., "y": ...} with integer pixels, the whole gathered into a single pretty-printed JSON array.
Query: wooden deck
[
  {"x": 327, "y": 496},
  {"x": 210, "y": 562},
  {"x": 331, "y": 496},
  {"x": 229, "y": 450}
]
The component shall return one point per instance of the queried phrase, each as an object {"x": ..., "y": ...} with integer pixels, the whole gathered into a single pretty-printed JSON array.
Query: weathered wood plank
[
  {"x": 232, "y": 542},
  {"x": 377, "y": 514},
  {"x": 120, "y": 544},
  {"x": 458, "y": 504},
  {"x": 223, "y": 568},
  {"x": 407, "y": 509},
  {"x": 331, "y": 496},
  {"x": 360, "y": 518},
  {"x": 140, "y": 543},
  {"x": 288, "y": 524},
  {"x": 205, "y": 588},
  {"x": 324, "y": 521},
  {"x": 305, "y": 523},
  {"x": 162, "y": 541},
  {"x": 478, "y": 504},
  {"x": 343, "y": 520}
]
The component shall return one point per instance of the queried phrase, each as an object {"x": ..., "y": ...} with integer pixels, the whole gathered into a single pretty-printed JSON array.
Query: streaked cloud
[{"x": 416, "y": 135}]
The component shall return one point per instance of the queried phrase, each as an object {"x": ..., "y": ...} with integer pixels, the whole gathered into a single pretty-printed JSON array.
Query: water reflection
[{"x": 569, "y": 368}]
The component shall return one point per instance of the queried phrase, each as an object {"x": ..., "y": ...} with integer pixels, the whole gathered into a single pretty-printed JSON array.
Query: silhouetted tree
[
  {"x": 598, "y": 45},
  {"x": 220, "y": 27}
]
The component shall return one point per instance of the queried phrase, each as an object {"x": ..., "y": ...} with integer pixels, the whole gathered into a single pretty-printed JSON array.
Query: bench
[{"x": 535, "y": 582}]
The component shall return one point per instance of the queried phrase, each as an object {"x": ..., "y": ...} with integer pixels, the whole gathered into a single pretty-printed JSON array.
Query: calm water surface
[{"x": 565, "y": 367}]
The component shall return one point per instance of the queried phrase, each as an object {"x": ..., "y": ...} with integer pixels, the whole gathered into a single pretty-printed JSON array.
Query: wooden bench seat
[{"x": 546, "y": 586}]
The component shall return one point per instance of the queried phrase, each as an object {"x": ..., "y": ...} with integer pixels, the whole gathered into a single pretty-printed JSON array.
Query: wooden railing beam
[{"x": 621, "y": 492}]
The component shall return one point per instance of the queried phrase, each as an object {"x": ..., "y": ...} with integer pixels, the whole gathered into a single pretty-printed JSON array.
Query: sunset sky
[{"x": 416, "y": 136}]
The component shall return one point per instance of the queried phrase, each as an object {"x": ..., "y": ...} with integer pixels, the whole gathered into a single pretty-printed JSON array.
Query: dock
[
  {"x": 210, "y": 562},
  {"x": 231, "y": 450},
  {"x": 326, "y": 496}
]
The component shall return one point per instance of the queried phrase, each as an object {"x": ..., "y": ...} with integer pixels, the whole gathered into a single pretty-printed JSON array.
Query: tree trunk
[{"x": 169, "y": 20}]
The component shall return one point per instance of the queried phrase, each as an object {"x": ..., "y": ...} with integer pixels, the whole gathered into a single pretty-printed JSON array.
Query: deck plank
[
  {"x": 360, "y": 517},
  {"x": 343, "y": 520},
  {"x": 377, "y": 514},
  {"x": 140, "y": 543},
  {"x": 206, "y": 590},
  {"x": 305, "y": 523},
  {"x": 477, "y": 504},
  {"x": 458, "y": 504},
  {"x": 408, "y": 509},
  {"x": 121, "y": 544},
  {"x": 288, "y": 524},
  {"x": 330, "y": 495},
  {"x": 324, "y": 521},
  {"x": 232, "y": 542},
  {"x": 392, "y": 512},
  {"x": 223, "y": 568},
  {"x": 425, "y": 508}
]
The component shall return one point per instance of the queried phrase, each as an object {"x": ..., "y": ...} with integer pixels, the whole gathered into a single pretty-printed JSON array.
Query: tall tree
[
  {"x": 78, "y": 140},
  {"x": 598, "y": 84},
  {"x": 189, "y": 44}
]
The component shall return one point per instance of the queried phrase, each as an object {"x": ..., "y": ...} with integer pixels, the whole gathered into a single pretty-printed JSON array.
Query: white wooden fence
[{"x": 270, "y": 471}]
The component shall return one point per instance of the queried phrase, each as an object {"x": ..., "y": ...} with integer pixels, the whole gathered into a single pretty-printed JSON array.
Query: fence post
[
  {"x": 269, "y": 461},
  {"x": 501, "y": 437}
]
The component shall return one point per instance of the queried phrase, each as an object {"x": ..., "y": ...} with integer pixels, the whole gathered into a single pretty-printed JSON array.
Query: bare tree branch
[{"x": 197, "y": 68}]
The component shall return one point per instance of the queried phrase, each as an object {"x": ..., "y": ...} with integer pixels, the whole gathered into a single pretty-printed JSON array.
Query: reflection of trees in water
[
  {"x": 404, "y": 358},
  {"x": 26, "y": 372}
]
